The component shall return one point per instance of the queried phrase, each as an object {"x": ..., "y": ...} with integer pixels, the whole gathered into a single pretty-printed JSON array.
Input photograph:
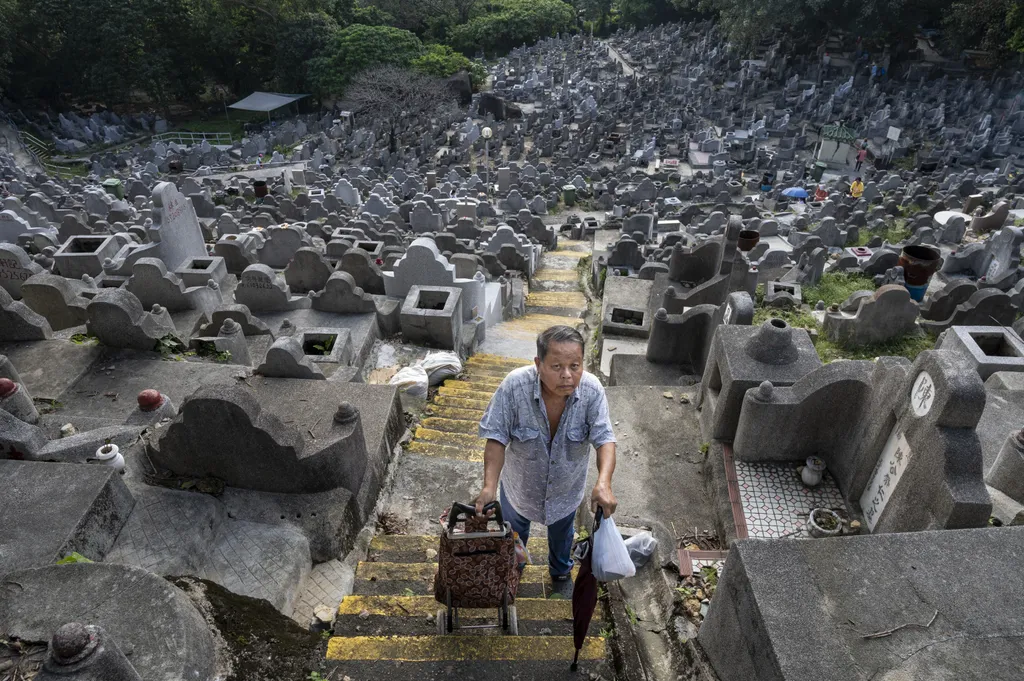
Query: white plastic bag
[
  {"x": 610, "y": 557},
  {"x": 441, "y": 365},
  {"x": 412, "y": 380},
  {"x": 641, "y": 548}
]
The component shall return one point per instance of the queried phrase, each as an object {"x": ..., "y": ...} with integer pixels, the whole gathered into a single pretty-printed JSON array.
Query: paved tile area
[{"x": 775, "y": 501}]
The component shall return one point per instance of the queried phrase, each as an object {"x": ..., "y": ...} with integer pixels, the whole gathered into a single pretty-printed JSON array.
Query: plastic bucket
[{"x": 917, "y": 292}]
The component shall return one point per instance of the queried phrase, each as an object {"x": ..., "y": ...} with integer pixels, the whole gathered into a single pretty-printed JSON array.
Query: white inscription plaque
[{"x": 888, "y": 471}]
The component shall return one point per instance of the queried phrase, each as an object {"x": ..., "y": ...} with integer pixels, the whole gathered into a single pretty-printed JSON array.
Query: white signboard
[
  {"x": 888, "y": 471},
  {"x": 894, "y": 133}
]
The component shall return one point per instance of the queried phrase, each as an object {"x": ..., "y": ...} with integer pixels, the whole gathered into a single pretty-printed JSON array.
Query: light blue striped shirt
[{"x": 545, "y": 480}]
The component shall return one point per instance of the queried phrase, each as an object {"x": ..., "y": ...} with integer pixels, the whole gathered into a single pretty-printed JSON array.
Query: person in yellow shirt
[{"x": 857, "y": 188}]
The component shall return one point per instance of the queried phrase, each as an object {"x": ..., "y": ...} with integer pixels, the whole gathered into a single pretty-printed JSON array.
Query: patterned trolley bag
[{"x": 477, "y": 567}]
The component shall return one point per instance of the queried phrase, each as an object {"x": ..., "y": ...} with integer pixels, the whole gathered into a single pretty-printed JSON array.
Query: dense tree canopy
[
  {"x": 500, "y": 25},
  {"x": 155, "y": 53}
]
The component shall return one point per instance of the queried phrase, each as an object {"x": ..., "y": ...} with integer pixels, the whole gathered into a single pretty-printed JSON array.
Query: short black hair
[{"x": 557, "y": 334}]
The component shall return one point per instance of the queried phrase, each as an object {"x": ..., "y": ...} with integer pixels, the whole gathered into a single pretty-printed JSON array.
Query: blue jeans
[{"x": 560, "y": 536}]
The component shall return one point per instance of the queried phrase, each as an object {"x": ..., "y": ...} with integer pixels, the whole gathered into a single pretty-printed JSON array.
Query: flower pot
[
  {"x": 748, "y": 239},
  {"x": 822, "y": 522},
  {"x": 813, "y": 470},
  {"x": 919, "y": 263},
  {"x": 260, "y": 188}
]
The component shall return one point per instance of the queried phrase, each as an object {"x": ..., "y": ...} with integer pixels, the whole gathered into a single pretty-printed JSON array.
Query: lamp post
[{"x": 487, "y": 133}]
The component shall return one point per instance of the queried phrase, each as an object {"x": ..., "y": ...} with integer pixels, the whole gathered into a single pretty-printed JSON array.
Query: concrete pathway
[{"x": 388, "y": 627}]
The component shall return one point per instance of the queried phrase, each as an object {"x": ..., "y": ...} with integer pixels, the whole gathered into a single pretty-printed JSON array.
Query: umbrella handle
[{"x": 598, "y": 516}]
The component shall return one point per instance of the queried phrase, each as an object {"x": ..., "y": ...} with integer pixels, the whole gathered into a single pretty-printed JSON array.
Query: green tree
[
  {"x": 442, "y": 61},
  {"x": 995, "y": 25},
  {"x": 502, "y": 25},
  {"x": 7, "y": 19},
  {"x": 646, "y": 12},
  {"x": 357, "y": 48},
  {"x": 300, "y": 40}
]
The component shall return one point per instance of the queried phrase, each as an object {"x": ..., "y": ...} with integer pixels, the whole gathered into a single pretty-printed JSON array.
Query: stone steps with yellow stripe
[
  {"x": 413, "y": 548},
  {"x": 454, "y": 413},
  {"x": 483, "y": 384},
  {"x": 451, "y": 391},
  {"x": 550, "y": 274},
  {"x": 465, "y": 426},
  {"x": 459, "y": 440},
  {"x": 558, "y": 650},
  {"x": 558, "y": 299},
  {"x": 443, "y": 451}
]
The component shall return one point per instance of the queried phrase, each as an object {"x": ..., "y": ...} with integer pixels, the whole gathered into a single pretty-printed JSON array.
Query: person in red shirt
[{"x": 861, "y": 155}]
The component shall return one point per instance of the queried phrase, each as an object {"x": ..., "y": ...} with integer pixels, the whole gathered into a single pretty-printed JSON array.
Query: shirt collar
[{"x": 537, "y": 391}]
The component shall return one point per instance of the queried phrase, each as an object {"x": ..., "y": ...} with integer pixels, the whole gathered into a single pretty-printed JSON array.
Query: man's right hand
[{"x": 486, "y": 496}]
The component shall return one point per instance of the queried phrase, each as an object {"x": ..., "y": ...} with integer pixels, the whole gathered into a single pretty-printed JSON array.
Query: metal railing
[{"x": 190, "y": 138}]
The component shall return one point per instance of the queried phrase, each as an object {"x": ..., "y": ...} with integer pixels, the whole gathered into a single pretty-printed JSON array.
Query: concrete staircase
[{"x": 388, "y": 628}]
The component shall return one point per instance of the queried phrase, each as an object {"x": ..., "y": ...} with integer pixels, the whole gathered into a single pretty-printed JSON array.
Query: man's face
[{"x": 561, "y": 370}]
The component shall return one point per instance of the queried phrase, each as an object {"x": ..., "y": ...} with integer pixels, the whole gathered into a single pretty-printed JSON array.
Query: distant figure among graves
[
  {"x": 861, "y": 155},
  {"x": 857, "y": 188}
]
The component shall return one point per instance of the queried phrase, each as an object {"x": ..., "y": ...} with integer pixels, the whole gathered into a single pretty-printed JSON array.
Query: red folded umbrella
[{"x": 584, "y": 592}]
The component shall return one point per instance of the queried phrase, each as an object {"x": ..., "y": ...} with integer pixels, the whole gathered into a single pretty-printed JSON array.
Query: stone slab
[
  {"x": 855, "y": 586},
  {"x": 48, "y": 368},
  {"x": 52, "y": 509},
  {"x": 1004, "y": 414},
  {"x": 131, "y": 375},
  {"x": 165, "y": 637},
  {"x": 651, "y": 483}
]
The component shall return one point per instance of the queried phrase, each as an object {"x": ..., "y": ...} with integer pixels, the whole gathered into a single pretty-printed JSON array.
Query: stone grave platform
[
  {"x": 61, "y": 508},
  {"x": 48, "y": 368},
  {"x": 155, "y": 624},
  {"x": 890, "y": 606}
]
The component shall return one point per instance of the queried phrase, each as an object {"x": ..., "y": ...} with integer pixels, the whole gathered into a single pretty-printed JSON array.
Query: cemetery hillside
[{"x": 511, "y": 340}]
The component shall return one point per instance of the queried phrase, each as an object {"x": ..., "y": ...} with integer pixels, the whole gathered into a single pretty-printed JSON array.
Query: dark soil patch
[{"x": 263, "y": 644}]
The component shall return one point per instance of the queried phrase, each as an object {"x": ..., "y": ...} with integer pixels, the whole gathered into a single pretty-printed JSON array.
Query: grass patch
[
  {"x": 908, "y": 346},
  {"x": 835, "y": 287},
  {"x": 894, "y": 233},
  {"x": 234, "y": 125},
  {"x": 798, "y": 318}
]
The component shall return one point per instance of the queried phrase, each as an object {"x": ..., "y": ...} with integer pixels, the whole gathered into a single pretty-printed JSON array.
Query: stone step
[
  {"x": 482, "y": 621},
  {"x": 461, "y": 403},
  {"x": 564, "y": 312},
  {"x": 462, "y": 648},
  {"x": 482, "y": 357},
  {"x": 509, "y": 364},
  {"x": 412, "y": 548},
  {"x": 454, "y": 413},
  {"x": 418, "y": 572},
  {"x": 549, "y": 274},
  {"x": 425, "y": 587},
  {"x": 460, "y": 440},
  {"x": 421, "y": 606},
  {"x": 467, "y": 394},
  {"x": 471, "y": 670},
  {"x": 442, "y": 451},
  {"x": 478, "y": 383},
  {"x": 450, "y": 425},
  {"x": 561, "y": 299}
]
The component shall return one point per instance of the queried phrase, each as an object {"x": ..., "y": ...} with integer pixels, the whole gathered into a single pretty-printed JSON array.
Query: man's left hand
[{"x": 602, "y": 496}]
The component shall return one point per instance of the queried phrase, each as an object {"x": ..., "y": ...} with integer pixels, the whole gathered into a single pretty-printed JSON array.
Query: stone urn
[
  {"x": 824, "y": 522},
  {"x": 814, "y": 468},
  {"x": 748, "y": 239}
]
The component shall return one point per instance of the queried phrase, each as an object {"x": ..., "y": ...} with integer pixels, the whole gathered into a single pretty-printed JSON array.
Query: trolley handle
[{"x": 459, "y": 510}]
